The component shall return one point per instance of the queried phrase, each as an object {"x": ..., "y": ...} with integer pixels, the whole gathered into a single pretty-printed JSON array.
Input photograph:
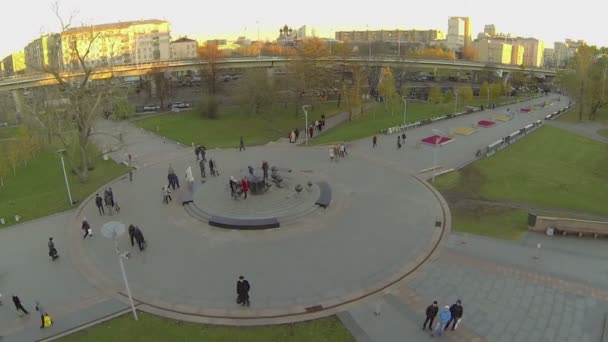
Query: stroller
[{"x": 237, "y": 192}]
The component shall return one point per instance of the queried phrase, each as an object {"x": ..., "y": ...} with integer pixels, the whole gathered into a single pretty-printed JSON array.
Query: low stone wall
[{"x": 566, "y": 226}]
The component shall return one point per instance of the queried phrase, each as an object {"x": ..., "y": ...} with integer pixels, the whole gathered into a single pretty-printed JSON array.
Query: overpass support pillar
[
  {"x": 475, "y": 77},
  {"x": 152, "y": 87},
  {"x": 18, "y": 100}
]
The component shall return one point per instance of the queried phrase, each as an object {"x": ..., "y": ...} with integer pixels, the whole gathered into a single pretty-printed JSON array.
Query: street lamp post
[
  {"x": 456, "y": 102},
  {"x": 112, "y": 230},
  {"x": 259, "y": 47},
  {"x": 370, "y": 42},
  {"x": 404, "y": 108},
  {"x": 306, "y": 122},
  {"x": 65, "y": 176},
  {"x": 398, "y": 44}
]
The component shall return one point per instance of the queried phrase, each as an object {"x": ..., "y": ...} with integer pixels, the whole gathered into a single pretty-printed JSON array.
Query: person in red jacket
[{"x": 245, "y": 185}]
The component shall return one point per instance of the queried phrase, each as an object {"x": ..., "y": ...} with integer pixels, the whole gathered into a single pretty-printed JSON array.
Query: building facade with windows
[
  {"x": 117, "y": 43},
  {"x": 534, "y": 50},
  {"x": 426, "y": 37},
  {"x": 494, "y": 51},
  {"x": 43, "y": 53},
  {"x": 459, "y": 33},
  {"x": 184, "y": 48},
  {"x": 14, "y": 64},
  {"x": 517, "y": 54}
]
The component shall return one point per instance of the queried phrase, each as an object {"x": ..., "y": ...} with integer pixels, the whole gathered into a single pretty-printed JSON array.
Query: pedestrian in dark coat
[
  {"x": 242, "y": 291},
  {"x": 111, "y": 197},
  {"x": 297, "y": 132},
  {"x": 203, "y": 153},
  {"x": 18, "y": 305},
  {"x": 197, "y": 150},
  {"x": 431, "y": 313},
  {"x": 201, "y": 164},
  {"x": 311, "y": 130},
  {"x": 87, "y": 228},
  {"x": 132, "y": 234},
  {"x": 242, "y": 144},
  {"x": 175, "y": 181},
  {"x": 456, "y": 310},
  {"x": 52, "y": 250},
  {"x": 374, "y": 141},
  {"x": 99, "y": 204},
  {"x": 139, "y": 238},
  {"x": 108, "y": 202},
  {"x": 265, "y": 169},
  {"x": 398, "y": 142}
]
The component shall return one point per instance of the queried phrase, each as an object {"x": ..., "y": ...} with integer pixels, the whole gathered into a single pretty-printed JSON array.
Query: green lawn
[
  {"x": 189, "y": 127},
  {"x": 501, "y": 223},
  {"x": 551, "y": 168},
  {"x": 8, "y": 132},
  {"x": 151, "y": 328},
  {"x": 572, "y": 115},
  {"x": 38, "y": 189},
  {"x": 378, "y": 118}
]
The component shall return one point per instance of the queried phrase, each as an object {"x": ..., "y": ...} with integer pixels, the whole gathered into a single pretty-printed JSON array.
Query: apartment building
[
  {"x": 184, "y": 48},
  {"x": 425, "y": 37},
  {"x": 43, "y": 53},
  {"x": 493, "y": 51},
  {"x": 534, "y": 50}
]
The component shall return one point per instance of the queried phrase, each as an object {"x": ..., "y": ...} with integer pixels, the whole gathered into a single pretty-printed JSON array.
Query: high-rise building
[
  {"x": 425, "y": 37},
  {"x": 564, "y": 51},
  {"x": 517, "y": 54},
  {"x": 490, "y": 30},
  {"x": 533, "y": 51},
  {"x": 117, "y": 43},
  {"x": 184, "y": 48},
  {"x": 43, "y": 53},
  {"x": 459, "y": 33},
  {"x": 549, "y": 58},
  {"x": 493, "y": 51},
  {"x": 14, "y": 64}
]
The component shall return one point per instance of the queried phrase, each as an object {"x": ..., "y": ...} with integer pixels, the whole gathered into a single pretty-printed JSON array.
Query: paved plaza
[{"x": 383, "y": 245}]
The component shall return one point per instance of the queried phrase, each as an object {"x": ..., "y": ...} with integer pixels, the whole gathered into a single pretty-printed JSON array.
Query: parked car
[
  {"x": 151, "y": 108},
  {"x": 180, "y": 105}
]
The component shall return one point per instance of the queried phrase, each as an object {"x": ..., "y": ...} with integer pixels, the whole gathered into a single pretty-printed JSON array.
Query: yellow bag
[{"x": 47, "y": 321}]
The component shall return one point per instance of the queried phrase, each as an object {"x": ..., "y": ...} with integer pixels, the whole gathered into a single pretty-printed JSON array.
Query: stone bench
[
  {"x": 324, "y": 195},
  {"x": 245, "y": 224},
  {"x": 567, "y": 226}
]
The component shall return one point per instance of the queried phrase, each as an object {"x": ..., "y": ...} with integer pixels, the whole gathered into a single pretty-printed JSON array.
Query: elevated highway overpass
[{"x": 36, "y": 80}]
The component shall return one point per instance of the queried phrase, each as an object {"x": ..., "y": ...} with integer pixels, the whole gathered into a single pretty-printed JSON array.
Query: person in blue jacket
[{"x": 444, "y": 318}]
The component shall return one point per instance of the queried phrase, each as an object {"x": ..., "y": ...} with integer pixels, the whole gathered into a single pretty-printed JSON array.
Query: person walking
[
  {"x": 343, "y": 152},
  {"x": 111, "y": 197},
  {"x": 167, "y": 195},
  {"x": 331, "y": 154},
  {"x": 398, "y": 142},
  {"x": 245, "y": 187},
  {"x": 130, "y": 172},
  {"x": 43, "y": 314},
  {"x": 456, "y": 311},
  {"x": 201, "y": 164},
  {"x": 108, "y": 202},
  {"x": 99, "y": 204},
  {"x": 52, "y": 250},
  {"x": 132, "y": 234},
  {"x": 297, "y": 133},
  {"x": 175, "y": 180},
  {"x": 139, "y": 238},
  {"x": 18, "y": 305},
  {"x": 242, "y": 291},
  {"x": 374, "y": 141},
  {"x": 311, "y": 130},
  {"x": 197, "y": 151},
  {"x": 403, "y": 138},
  {"x": 232, "y": 184},
  {"x": 265, "y": 169},
  {"x": 87, "y": 228},
  {"x": 242, "y": 144},
  {"x": 431, "y": 313},
  {"x": 444, "y": 318}
]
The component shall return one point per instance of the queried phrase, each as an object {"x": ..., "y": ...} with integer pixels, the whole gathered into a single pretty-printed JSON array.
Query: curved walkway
[{"x": 350, "y": 258}]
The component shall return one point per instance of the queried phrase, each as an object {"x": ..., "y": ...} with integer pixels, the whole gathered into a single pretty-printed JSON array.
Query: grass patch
[
  {"x": 38, "y": 189},
  {"x": 378, "y": 118},
  {"x": 189, "y": 127},
  {"x": 8, "y": 132},
  {"x": 151, "y": 328},
  {"x": 501, "y": 223},
  {"x": 572, "y": 116},
  {"x": 551, "y": 168}
]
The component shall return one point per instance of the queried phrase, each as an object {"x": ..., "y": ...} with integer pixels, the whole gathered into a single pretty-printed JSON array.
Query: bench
[
  {"x": 245, "y": 224},
  {"x": 324, "y": 196}
]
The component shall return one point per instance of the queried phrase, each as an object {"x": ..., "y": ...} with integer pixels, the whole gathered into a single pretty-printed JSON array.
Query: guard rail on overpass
[{"x": 35, "y": 80}]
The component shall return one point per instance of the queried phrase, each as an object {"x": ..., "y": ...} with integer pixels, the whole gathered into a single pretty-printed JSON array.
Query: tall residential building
[
  {"x": 490, "y": 30},
  {"x": 533, "y": 51},
  {"x": 459, "y": 33},
  {"x": 494, "y": 51},
  {"x": 184, "y": 48},
  {"x": 14, "y": 64},
  {"x": 564, "y": 51},
  {"x": 117, "y": 43},
  {"x": 549, "y": 58},
  {"x": 426, "y": 37},
  {"x": 44, "y": 52},
  {"x": 517, "y": 54}
]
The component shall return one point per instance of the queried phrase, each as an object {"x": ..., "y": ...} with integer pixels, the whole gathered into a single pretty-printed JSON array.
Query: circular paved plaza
[{"x": 381, "y": 225}]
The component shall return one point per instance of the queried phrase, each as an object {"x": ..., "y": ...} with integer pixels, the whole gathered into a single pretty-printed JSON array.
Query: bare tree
[{"x": 80, "y": 100}]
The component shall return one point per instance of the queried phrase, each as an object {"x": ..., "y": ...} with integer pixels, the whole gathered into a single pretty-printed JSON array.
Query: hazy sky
[{"x": 23, "y": 20}]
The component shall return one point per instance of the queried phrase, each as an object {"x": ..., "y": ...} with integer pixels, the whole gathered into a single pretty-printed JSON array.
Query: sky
[{"x": 204, "y": 19}]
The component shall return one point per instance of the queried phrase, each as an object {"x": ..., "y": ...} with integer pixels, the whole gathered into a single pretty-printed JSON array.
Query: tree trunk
[
  {"x": 83, "y": 168},
  {"x": 580, "y": 105}
]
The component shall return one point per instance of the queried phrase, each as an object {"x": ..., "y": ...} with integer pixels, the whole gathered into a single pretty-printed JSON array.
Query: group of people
[
  {"x": 45, "y": 318},
  {"x": 318, "y": 124},
  {"x": 213, "y": 171},
  {"x": 108, "y": 200},
  {"x": 400, "y": 140},
  {"x": 449, "y": 315},
  {"x": 200, "y": 150},
  {"x": 238, "y": 188},
  {"x": 172, "y": 178},
  {"x": 294, "y": 135},
  {"x": 337, "y": 151}
]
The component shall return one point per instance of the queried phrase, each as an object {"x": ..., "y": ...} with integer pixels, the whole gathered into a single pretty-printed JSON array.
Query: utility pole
[
  {"x": 65, "y": 177},
  {"x": 259, "y": 47}
]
